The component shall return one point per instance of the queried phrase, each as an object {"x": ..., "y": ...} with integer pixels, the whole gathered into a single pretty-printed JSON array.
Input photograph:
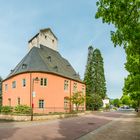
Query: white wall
[{"x": 46, "y": 39}]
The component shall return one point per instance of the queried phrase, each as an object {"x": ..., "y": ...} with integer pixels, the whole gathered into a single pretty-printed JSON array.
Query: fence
[{"x": 55, "y": 110}]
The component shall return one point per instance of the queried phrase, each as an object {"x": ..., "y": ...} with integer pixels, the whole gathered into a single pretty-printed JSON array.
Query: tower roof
[
  {"x": 42, "y": 30},
  {"x": 44, "y": 59}
]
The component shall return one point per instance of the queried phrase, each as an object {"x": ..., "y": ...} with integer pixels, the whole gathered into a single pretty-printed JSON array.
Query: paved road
[
  {"x": 127, "y": 127},
  {"x": 67, "y": 129}
]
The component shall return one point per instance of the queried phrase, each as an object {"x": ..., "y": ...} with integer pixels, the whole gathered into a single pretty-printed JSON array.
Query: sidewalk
[{"x": 123, "y": 128}]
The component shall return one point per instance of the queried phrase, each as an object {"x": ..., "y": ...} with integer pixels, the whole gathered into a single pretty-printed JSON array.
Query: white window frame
[
  {"x": 6, "y": 87},
  {"x": 41, "y": 103},
  {"x": 14, "y": 84},
  {"x": 75, "y": 87},
  {"x": 43, "y": 81},
  {"x": 24, "y": 82},
  {"x": 66, "y": 85}
]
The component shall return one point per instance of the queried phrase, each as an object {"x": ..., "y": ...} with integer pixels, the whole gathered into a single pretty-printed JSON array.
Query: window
[
  {"x": 9, "y": 101},
  {"x": 14, "y": 84},
  {"x": 18, "y": 101},
  {"x": 66, "y": 103},
  {"x": 66, "y": 84},
  {"x": 41, "y": 103},
  {"x": 53, "y": 41},
  {"x": 49, "y": 58},
  {"x": 24, "y": 66},
  {"x": 6, "y": 87},
  {"x": 23, "y": 82},
  {"x": 75, "y": 87},
  {"x": 43, "y": 81},
  {"x": 83, "y": 89}
]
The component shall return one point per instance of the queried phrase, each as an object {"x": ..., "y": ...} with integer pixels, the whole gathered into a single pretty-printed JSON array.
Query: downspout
[
  {"x": 30, "y": 89},
  {"x": 70, "y": 95}
]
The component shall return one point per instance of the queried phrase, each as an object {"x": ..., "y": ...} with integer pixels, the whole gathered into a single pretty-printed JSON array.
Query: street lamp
[{"x": 33, "y": 95}]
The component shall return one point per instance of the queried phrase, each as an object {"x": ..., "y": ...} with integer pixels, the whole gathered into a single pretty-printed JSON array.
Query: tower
[{"x": 46, "y": 38}]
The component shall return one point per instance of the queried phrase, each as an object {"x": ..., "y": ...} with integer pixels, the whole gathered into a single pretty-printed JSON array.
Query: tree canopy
[
  {"x": 94, "y": 77},
  {"x": 125, "y": 16},
  {"x": 126, "y": 100},
  {"x": 77, "y": 99},
  {"x": 99, "y": 83}
]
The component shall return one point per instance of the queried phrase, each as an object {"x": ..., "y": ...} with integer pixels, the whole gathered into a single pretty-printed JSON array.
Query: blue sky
[{"x": 73, "y": 23}]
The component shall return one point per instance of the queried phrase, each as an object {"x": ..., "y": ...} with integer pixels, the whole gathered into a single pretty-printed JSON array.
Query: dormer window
[
  {"x": 45, "y": 37},
  {"x": 53, "y": 41},
  {"x": 24, "y": 66},
  {"x": 12, "y": 71},
  {"x": 56, "y": 68},
  {"x": 49, "y": 58}
]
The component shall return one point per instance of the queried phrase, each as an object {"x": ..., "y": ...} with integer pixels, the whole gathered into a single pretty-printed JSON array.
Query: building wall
[
  {"x": 18, "y": 92},
  {"x": 45, "y": 39},
  {"x": 53, "y": 94},
  {"x": 34, "y": 43},
  {"x": 48, "y": 40}
]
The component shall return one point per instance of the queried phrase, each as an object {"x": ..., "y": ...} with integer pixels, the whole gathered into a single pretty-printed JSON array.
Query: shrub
[
  {"x": 22, "y": 109},
  {"x": 114, "y": 108},
  {"x": 6, "y": 109},
  {"x": 107, "y": 107}
]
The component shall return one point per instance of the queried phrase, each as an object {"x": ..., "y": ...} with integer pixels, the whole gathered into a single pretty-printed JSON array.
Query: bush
[
  {"x": 107, "y": 107},
  {"x": 22, "y": 109},
  {"x": 114, "y": 108},
  {"x": 6, "y": 109}
]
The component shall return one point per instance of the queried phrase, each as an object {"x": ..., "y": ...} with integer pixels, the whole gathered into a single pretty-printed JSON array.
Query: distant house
[
  {"x": 105, "y": 102},
  {"x": 43, "y": 79}
]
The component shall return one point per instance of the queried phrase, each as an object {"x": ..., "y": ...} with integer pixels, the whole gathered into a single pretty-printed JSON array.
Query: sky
[{"x": 74, "y": 24}]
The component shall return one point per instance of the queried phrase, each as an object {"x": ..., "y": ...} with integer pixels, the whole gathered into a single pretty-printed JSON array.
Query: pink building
[{"x": 43, "y": 79}]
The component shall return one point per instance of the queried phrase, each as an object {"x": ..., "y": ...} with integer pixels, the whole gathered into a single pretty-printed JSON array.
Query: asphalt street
[{"x": 93, "y": 126}]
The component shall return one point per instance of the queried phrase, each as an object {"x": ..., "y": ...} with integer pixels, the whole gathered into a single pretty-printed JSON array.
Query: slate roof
[{"x": 44, "y": 59}]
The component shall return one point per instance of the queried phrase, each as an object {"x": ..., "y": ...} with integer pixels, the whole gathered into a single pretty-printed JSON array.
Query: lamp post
[{"x": 32, "y": 96}]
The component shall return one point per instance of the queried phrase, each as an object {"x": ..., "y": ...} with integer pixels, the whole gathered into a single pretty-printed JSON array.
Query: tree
[
  {"x": 77, "y": 99},
  {"x": 88, "y": 78},
  {"x": 126, "y": 100},
  {"x": 94, "y": 76},
  {"x": 97, "y": 101},
  {"x": 116, "y": 102},
  {"x": 125, "y": 16},
  {"x": 94, "y": 101},
  {"x": 99, "y": 83}
]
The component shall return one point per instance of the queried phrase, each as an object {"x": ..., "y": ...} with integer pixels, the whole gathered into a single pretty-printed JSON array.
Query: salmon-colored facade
[
  {"x": 43, "y": 79},
  {"x": 53, "y": 94}
]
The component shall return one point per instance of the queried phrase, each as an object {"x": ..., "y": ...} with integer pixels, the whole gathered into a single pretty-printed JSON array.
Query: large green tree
[
  {"x": 99, "y": 83},
  {"x": 88, "y": 78},
  {"x": 116, "y": 102},
  {"x": 125, "y": 99},
  {"x": 94, "y": 77},
  {"x": 125, "y": 16}
]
